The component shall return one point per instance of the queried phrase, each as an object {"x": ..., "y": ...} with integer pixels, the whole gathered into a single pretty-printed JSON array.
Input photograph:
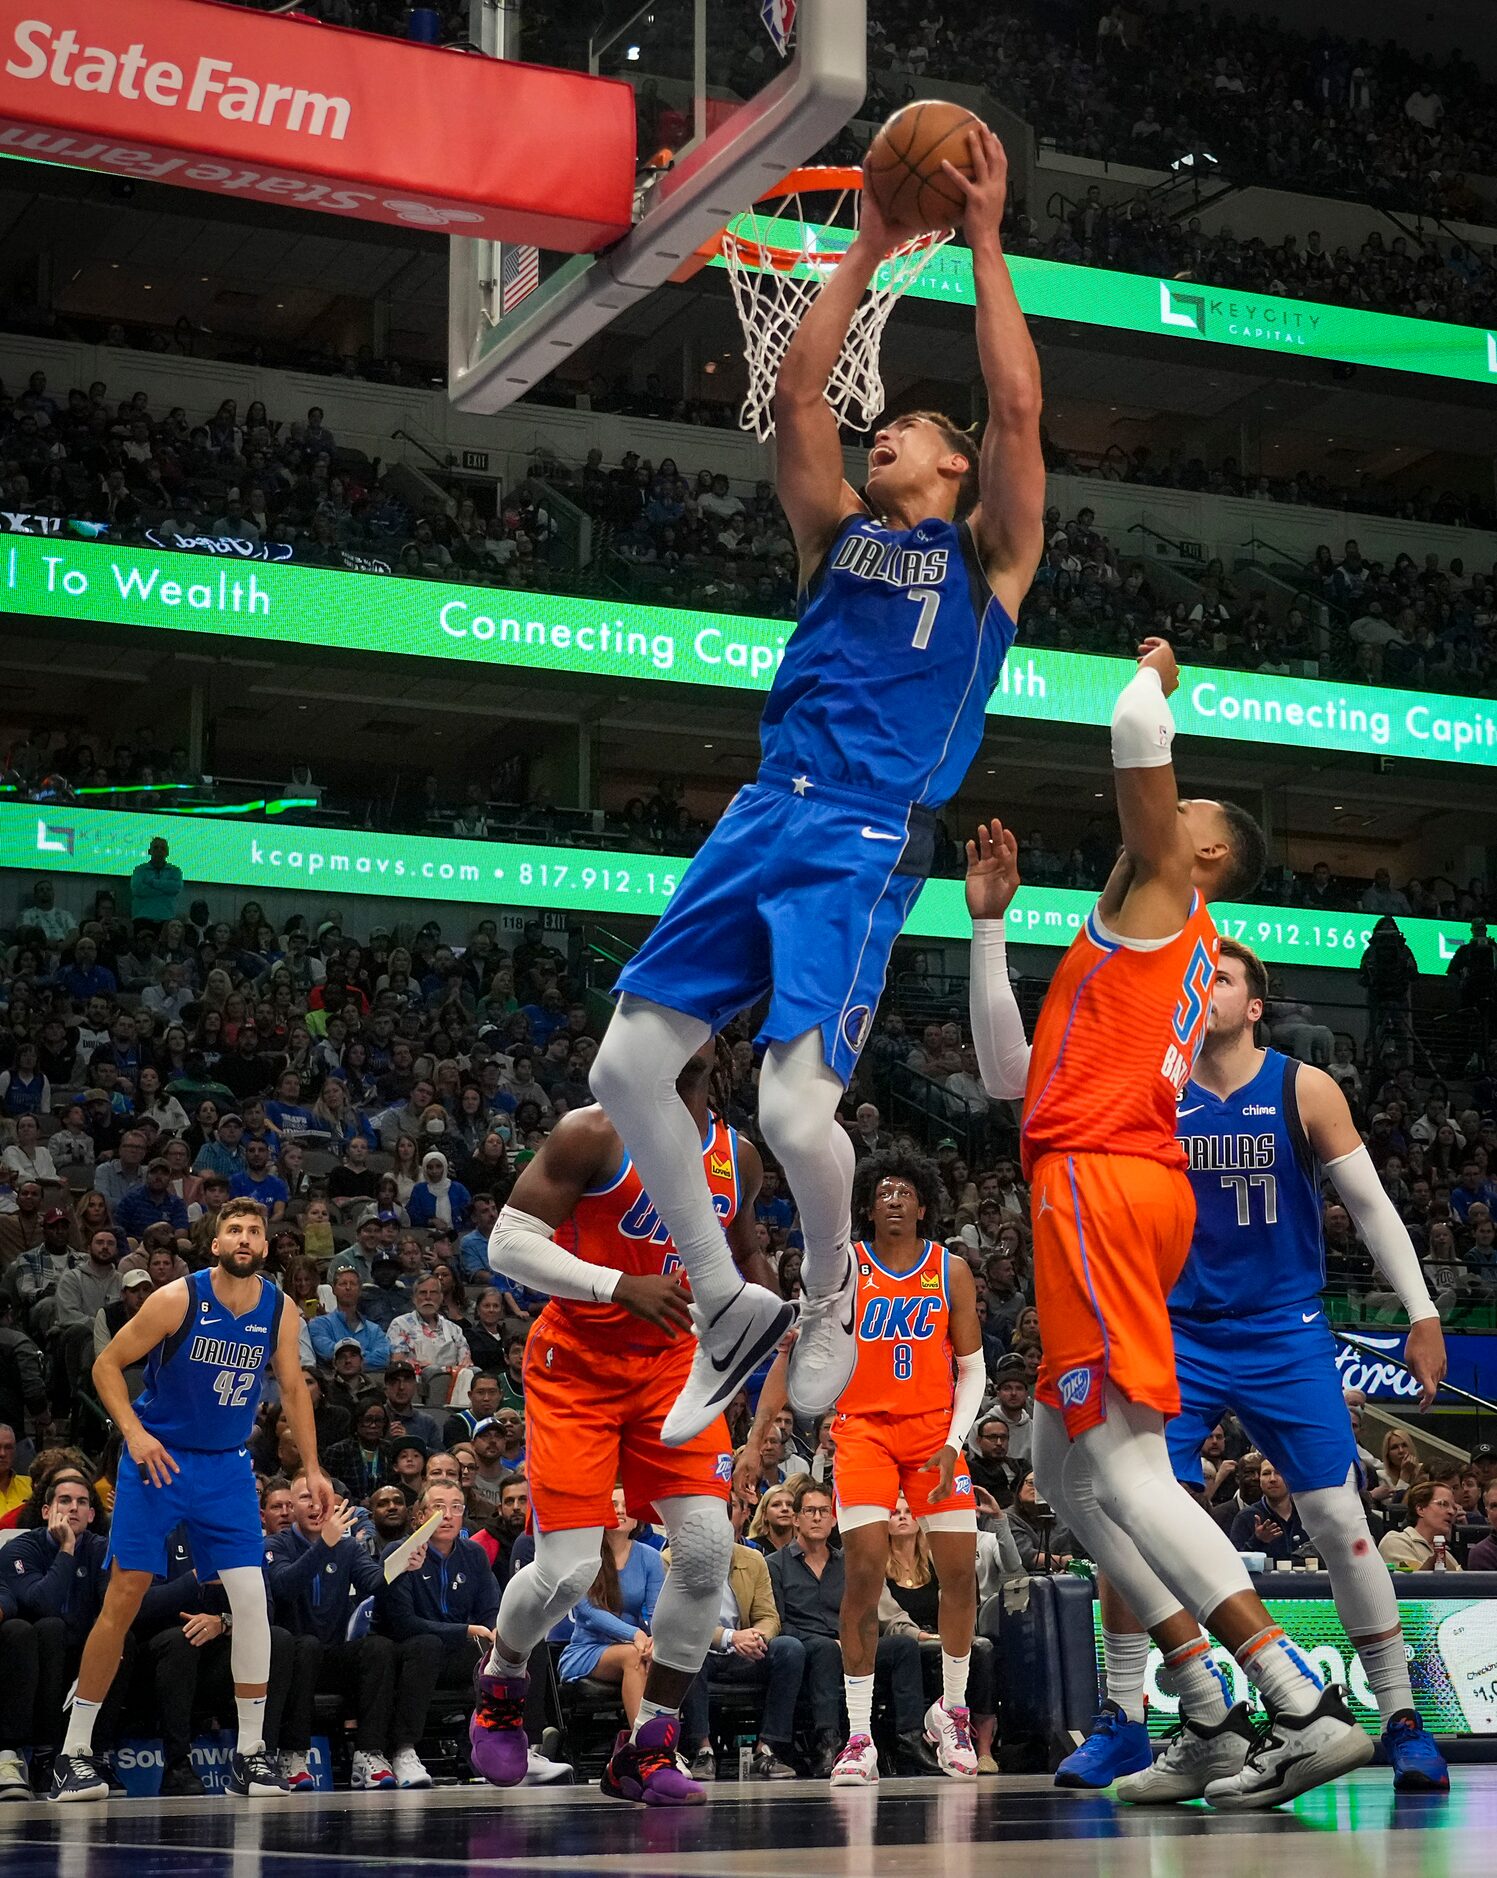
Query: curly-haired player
[{"x": 901, "y": 1422}]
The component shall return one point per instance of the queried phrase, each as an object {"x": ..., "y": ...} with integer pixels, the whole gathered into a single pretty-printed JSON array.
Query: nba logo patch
[
  {"x": 1075, "y": 1386},
  {"x": 855, "y": 1026},
  {"x": 550, "y": 1352},
  {"x": 723, "y": 1471},
  {"x": 779, "y": 22}
]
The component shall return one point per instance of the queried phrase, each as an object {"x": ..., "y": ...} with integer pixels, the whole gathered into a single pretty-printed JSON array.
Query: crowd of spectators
[{"x": 378, "y": 1094}]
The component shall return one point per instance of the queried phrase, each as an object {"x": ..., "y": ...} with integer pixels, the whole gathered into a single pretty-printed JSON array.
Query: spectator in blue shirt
[
  {"x": 155, "y": 886},
  {"x": 772, "y": 1208},
  {"x": 259, "y": 1181},
  {"x": 473, "y": 1247},
  {"x": 1474, "y": 1190},
  {"x": 285, "y": 1111},
  {"x": 86, "y": 978},
  {"x": 610, "y": 1622},
  {"x": 440, "y": 1610},
  {"x": 346, "y": 1320},
  {"x": 224, "y": 1154},
  {"x": 151, "y": 1203},
  {"x": 118, "y": 1178}
]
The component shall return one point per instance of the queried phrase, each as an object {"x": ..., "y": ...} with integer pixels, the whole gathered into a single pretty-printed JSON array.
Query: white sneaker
[
  {"x": 1292, "y": 1753},
  {"x": 730, "y": 1346},
  {"x": 296, "y": 1771},
  {"x": 408, "y": 1769},
  {"x": 1194, "y": 1756},
  {"x": 371, "y": 1773},
  {"x": 14, "y": 1782},
  {"x": 825, "y": 1353},
  {"x": 949, "y": 1732},
  {"x": 541, "y": 1772},
  {"x": 857, "y": 1764}
]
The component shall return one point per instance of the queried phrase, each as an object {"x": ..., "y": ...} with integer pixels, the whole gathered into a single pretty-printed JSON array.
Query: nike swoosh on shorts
[
  {"x": 1310, "y": 1319},
  {"x": 873, "y": 834}
]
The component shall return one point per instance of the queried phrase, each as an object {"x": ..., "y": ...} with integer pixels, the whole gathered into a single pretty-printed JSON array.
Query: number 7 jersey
[{"x": 1257, "y": 1244}]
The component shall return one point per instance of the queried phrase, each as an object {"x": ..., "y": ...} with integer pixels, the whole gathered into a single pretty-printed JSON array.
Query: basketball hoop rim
[{"x": 759, "y": 257}]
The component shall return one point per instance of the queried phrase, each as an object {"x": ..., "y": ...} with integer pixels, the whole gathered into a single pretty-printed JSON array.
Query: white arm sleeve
[
  {"x": 997, "y": 1028},
  {"x": 971, "y": 1376},
  {"x": 1142, "y": 727},
  {"x": 521, "y": 1248},
  {"x": 1381, "y": 1230}
]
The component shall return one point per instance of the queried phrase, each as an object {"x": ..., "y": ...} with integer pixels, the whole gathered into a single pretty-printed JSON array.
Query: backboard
[{"x": 736, "y": 115}]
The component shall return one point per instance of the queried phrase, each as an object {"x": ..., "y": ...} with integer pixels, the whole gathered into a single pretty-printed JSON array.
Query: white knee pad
[
  {"x": 566, "y": 1563},
  {"x": 701, "y": 1543},
  {"x": 249, "y": 1645},
  {"x": 1365, "y": 1599}
]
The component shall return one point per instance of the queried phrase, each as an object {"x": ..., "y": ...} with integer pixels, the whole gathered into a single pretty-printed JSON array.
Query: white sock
[
  {"x": 80, "y": 1736},
  {"x": 251, "y": 1710},
  {"x": 500, "y": 1663},
  {"x": 1286, "y": 1681},
  {"x": 1126, "y": 1654},
  {"x": 954, "y": 1680},
  {"x": 859, "y": 1691},
  {"x": 1387, "y": 1668},
  {"x": 1195, "y": 1679},
  {"x": 648, "y": 1710}
]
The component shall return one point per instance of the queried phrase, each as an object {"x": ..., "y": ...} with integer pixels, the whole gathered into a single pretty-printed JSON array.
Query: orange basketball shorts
[
  {"x": 592, "y": 1422},
  {"x": 880, "y": 1456},
  {"x": 1111, "y": 1234}
]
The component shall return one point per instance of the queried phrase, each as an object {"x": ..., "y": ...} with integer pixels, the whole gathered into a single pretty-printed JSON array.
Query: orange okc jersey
[
  {"x": 1115, "y": 1042},
  {"x": 617, "y": 1225},
  {"x": 904, "y": 1338}
]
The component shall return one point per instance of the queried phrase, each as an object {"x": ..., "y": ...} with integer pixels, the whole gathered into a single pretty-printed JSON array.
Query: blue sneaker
[
  {"x": 1114, "y": 1746},
  {"x": 1418, "y": 1765},
  {"x": 80, "y": 1777}
]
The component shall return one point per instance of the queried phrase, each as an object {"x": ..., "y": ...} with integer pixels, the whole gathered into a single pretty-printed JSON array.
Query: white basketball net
[{"x": 775, "y": 282}]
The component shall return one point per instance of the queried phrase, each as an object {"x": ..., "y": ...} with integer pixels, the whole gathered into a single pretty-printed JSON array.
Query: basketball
[{"x": 904, "y": 163}]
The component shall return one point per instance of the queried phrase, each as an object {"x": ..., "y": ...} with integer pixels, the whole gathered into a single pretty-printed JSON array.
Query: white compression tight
[
  {"x": 634, "y": 1076},
  {"x": 1362, "y": 1587},
  {"x": 541, "y": 1593},
  {"x": 1115, "y": 1486},
  {"x": 249, "y": 1645},
  {"x": 798, "y": 1099}
]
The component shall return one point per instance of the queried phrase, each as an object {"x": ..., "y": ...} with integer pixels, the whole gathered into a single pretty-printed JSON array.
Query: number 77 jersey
[{"x": 1257, "y": 1243}]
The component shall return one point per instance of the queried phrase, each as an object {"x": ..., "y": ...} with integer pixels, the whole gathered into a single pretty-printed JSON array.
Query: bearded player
[
  {"x": 1114, "y": 1046},
  {"x": 908, "y": 595},
  {"x": 901, "y": 1425},
  {"x": 207, "y": 1341},
  {"x": 603, "y": 1365}
]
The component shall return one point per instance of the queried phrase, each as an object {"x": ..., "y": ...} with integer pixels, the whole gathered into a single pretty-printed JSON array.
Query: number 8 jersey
[
  {"x": 203, "y": 1382},
  {"x": 1257, "y": 1243},
  {"x": 903, "y": 1322}
]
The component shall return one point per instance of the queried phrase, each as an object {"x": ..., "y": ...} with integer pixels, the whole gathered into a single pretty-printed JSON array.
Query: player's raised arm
[
  {"x": 971, "y": 1376},
  {"x": 521, "y": 1246},
  {"x": 1008, "y": 522},
  {"x": 1338, "y": 1146},
  {"x": 997, "y": 1027},
  {"x": 813, "y": 491},
  {"x": 1148, "y": 893}
]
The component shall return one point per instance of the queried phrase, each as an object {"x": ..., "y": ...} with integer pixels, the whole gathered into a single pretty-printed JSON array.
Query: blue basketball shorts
[
  {"x": 213, "y": 1495},
  {"x": 798, "y": 895},
  {"x": 1276, "y": 1371}
]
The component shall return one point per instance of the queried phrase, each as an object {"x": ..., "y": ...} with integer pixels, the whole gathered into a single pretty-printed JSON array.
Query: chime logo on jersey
[
  {"x": 899, "y": 1320},
  {"x": 644, "y": 1223}
]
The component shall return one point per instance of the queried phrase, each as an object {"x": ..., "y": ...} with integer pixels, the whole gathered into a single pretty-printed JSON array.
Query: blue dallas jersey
[
  {"x": 1257, "y": 1244},
  {"x": 203, "y": 1382},
  {"x": 884, "y": 685}
]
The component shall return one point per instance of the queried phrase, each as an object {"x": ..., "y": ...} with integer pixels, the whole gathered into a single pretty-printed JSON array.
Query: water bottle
[
  {"x": 1439, "y": 1564},
  {"x": 746, "y": 1757}
]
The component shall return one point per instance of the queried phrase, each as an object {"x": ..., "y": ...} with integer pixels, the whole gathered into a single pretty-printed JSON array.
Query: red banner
[{"x": 356, "y": 124}]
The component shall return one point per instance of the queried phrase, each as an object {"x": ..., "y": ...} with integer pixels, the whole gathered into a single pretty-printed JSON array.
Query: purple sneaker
[
  {"x": 645, "y": 1769},
  {"x": 496, "y": 1734}
]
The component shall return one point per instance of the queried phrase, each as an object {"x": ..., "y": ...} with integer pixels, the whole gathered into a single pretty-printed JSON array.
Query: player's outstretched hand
[
  {"x": 985, "y": 191},
  {"x": 748, "y": 1470},
  {"x": 321, "y": 1490},
  {"x": 660, "y": 1300},
  {"x": 943, "y": 1465},
  {"x": 337, "y": 1525},
  {"x": 875, "y": 229},
  {"x": 155, "y": 1464},
  {"x": 1424, "y": 1352},
  {"x": 1159, "y": 656},
  {"x": 992, "y": 871}
]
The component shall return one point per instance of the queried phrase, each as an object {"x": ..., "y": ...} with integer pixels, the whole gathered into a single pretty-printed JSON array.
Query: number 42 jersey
[
  {"x": 1257, "y": 1244},
  {"x": 203, "y": 1382}
]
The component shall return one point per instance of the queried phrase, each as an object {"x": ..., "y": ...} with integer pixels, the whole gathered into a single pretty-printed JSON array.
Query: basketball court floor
[{"x": 905, "y": 1829}]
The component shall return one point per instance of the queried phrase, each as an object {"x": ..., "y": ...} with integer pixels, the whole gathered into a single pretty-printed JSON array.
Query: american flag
[{"x": 519, "y": 274}]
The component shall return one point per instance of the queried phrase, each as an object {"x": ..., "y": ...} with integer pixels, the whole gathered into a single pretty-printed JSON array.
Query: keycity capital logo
[
  {"x": 1185, "y": 310},
  {"x": 1226, "y": 317},
  {"x": 53, "y": 839}
]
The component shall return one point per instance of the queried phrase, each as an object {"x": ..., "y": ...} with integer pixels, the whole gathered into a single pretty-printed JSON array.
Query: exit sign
[{"x": 475, "y": 459}]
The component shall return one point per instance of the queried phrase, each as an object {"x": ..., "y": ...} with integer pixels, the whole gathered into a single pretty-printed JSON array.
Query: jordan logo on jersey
[
  {"x": 899, "y": 1320},
  {"x": 871, "y": 559}
]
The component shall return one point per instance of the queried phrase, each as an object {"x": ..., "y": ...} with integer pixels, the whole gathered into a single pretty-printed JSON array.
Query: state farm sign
[{"x": 220, "y": 98}]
